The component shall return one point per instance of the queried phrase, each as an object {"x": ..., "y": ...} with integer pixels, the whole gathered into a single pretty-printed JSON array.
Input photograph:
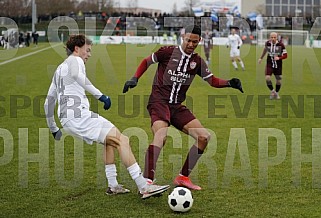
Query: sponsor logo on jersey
[{"x": 192, "y": 65}]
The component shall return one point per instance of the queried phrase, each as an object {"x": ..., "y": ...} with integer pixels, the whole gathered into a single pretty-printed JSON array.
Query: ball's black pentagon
[
  {"x": 173, "y": 202},
  {"x": 181, "y": 192},
  {"x": 186, "y": 204}
]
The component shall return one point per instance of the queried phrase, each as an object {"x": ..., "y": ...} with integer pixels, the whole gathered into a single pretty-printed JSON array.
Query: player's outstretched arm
[
  {"x": 262, "y": 55},
  {"x": 139, "y": 72},
  {"x": 221, "y": 83},
  {"x": 49, "y": 108},
  {"x": 283, "y": 56},
  {"x": 81, "y": 78},
  {"x": 106, "y": 100},
  {"x": 130, "y": 84},
  {"x": 240, "y": 42},
  {"x": 57, "y": 135}
]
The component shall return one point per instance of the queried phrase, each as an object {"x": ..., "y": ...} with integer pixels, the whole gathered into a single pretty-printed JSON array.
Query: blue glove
[
  {"x": 106, "y": 100},
  {"x": 57, "y": 135}
]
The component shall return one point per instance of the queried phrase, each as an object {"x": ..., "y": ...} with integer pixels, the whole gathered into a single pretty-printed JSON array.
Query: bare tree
[
  {"x": 174, "y": 9},
  {"x": 108, "y": 5},
  {"x": 132, "y": 3},
  {"x": 18, "y": 8},
  {"x": 43, "y": 7},
  {"x": 88, "y": 5},
  {"x": 58, "y": 7},
  {"x": 189, "y": 4},
  {"x": 13, "y": 8}
]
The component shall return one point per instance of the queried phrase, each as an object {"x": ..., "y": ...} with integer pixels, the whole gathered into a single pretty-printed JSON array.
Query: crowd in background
[
  {"x": 120, "y": 23},
  {"x": 14, "y": 39}
]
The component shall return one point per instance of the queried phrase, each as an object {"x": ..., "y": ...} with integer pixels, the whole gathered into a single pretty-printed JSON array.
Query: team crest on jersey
[{"x": 192, "y": 64}]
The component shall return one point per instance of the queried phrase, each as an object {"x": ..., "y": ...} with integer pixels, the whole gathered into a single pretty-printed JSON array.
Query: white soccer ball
[{"x": 180, "y": 200}]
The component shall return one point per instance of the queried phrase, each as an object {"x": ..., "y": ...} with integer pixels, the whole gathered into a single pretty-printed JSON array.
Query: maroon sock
[
  {"x": 193, "y": 155},
  {"x": 151, "y": 157}
]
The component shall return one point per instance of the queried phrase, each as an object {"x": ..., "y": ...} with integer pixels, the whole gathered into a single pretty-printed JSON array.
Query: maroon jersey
[
  {"x": 175, "y": 73},
  {"x": 277, "y": 49},
  {"x": 207, "y": 41}
]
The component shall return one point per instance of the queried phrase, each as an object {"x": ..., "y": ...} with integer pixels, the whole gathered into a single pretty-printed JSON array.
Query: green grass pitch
[{"x": 264, "y": 158}]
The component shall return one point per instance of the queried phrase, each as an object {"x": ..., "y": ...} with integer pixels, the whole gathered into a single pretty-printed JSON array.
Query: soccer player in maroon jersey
[
  {"x": 177, "y": 67},
  {"x": 208, "y": 45},
  {"x": 276, "y": 53}
]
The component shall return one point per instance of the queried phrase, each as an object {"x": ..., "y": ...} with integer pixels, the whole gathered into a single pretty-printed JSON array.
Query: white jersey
[
  {"x": 68, "y": 86},
  {"x": 234, "y": 41}
]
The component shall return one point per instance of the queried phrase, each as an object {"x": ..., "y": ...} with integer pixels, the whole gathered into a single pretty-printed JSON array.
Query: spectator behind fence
[{"x": 35, "y": 37}]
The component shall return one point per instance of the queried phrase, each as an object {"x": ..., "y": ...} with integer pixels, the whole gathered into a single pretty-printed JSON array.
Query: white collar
[
  {"x": 181, "y": 49},
  {"x": 276, "y": 42}
]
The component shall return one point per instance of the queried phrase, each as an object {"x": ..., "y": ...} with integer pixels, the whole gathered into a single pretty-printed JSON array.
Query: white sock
[
  {"x": 234, "y": 64},
  {"x": 136, "y": 174},
  {"x": 242, "y": 64},
  {"x": 111, "y": 175}
]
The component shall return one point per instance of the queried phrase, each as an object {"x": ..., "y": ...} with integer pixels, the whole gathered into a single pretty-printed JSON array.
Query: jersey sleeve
[
  {"x": 143, "y": 66},
  {"x": 283, "y": 49},
  {"x": 78, "y": 73},
  {"x": 265, "y": 49},
  {"x": 284, "y": 54},
  {"x": 203, "y": 71},
  {"x": 158, "y": 56},
  {"x": 49, "y": 107},
  {"x": 240, "y": 41},
  {"x": 208, "y": 76},
  {"x": 161, "y": 54},
  {"x": 228, "y": 42}
]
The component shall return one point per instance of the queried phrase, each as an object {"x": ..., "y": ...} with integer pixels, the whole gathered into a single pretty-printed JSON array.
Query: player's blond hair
[{"x": 274, "y": 33}]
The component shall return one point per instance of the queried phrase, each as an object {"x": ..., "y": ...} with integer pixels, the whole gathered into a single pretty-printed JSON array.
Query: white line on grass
[{"x": 26, "y": 55}]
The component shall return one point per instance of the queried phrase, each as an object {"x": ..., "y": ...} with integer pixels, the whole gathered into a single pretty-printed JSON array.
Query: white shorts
[
  {"x": 90, "y": 127},
  {"x": 234, "y": 53}
]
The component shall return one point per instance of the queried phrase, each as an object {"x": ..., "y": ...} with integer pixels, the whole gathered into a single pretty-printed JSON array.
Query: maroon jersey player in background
[
  {"x": 208, "y": 45},
  {"x": 276, "y": 53},
  {"x": 177, "y": 67}
]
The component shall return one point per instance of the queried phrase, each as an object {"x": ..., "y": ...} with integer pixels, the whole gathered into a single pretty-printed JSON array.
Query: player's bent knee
[
  {"x": 124, "y": 140},
  {"x": 164, "y": 140},
  {"x": 204, "y": 138},
  {"x": 112, "y": 141},
  {"x": 278, "y": 78}
]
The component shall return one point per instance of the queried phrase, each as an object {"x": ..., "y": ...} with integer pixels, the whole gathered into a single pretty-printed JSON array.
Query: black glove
[
  {"x": 236, "y": 84},
  {"x": 130, "y": 84},
  {"x": 57, "y": 135},
  {"x": 106, "y": 100},
  {"x": 238, "y": 47}
]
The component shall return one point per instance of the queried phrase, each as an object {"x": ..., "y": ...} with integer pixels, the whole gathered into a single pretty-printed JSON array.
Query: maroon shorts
[
  {"x": 269, "y": 70},
  {"x": 174, "y": 114},
  {"x": 207, "y": 51}
]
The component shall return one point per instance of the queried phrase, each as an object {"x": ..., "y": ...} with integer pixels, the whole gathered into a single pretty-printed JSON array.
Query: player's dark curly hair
[
  {"x": 195, "y": 29},
  {"x": 76, "y": 40}
]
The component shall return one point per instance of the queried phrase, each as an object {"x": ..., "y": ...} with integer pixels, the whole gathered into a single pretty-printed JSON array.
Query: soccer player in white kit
[
  {"x": 68, "y": 87},
  {"x": 235, "y": 42}
]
